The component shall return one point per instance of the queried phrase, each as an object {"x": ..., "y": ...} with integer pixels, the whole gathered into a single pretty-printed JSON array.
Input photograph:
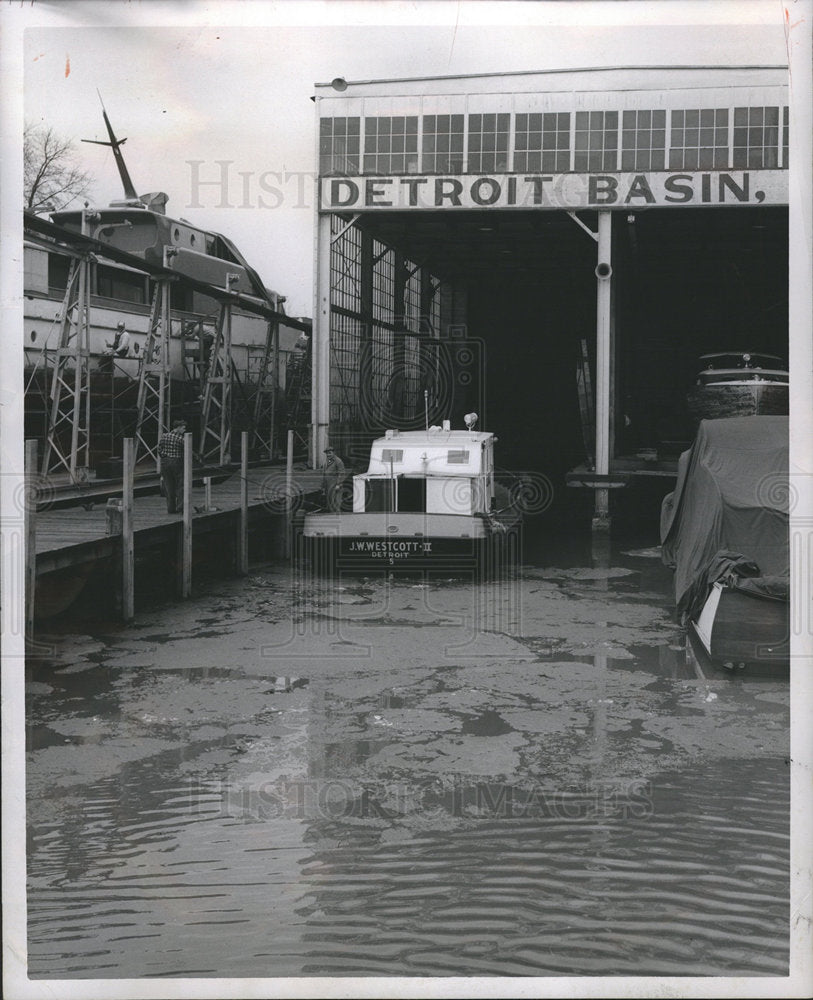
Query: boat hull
[
  {"x": 742, "y": 399},
  {"x": 400, "y": 541},
  {"x": 737, "y": 628}
]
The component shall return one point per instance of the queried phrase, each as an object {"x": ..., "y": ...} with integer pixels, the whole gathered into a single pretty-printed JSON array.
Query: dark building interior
[{"x": 686, "y": 282}]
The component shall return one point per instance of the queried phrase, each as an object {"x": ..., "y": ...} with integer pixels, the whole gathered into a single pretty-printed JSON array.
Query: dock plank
[{"x": 66, "y": 527}]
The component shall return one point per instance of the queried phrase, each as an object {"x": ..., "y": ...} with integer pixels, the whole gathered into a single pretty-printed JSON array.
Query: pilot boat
[
  {"x": 426, "y": 499},
  {"x": 739, "y": 384}
]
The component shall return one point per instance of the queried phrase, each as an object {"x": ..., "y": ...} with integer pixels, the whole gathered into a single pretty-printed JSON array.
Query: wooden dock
[{"x": 71, "y": 543}]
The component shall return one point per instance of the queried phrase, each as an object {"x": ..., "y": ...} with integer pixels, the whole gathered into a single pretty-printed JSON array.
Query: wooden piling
[
  {"x": 289, "y": 496},
  {"x": 242, "y": 544},
  {"x": 186, "y": 544},
  {"x": 127, "y": 547},
  {"x": 30, "y": 516}
]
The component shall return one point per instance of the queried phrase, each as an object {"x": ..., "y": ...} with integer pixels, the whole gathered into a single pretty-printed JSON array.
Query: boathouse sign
[{"x": 554, "y": 191}]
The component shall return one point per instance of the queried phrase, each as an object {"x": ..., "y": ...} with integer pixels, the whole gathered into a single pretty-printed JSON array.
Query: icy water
[{"x": 291, "y": 776}]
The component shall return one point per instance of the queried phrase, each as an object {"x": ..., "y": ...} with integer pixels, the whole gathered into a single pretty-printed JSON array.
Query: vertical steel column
[
  {"x": 153, "y": 377},
  {"x": 366, "y": 366},
  {"x": 320, "y": 406},
  {"x": 604, "y": 350}
]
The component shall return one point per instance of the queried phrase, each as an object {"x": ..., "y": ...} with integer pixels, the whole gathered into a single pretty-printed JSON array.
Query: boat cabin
[{"x": 435, "y": 471}]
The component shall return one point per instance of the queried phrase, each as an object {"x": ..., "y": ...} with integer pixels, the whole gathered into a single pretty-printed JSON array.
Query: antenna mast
[{"x": 116, "y": 144}]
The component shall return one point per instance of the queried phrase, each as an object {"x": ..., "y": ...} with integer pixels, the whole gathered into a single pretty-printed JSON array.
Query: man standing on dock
[
  {"x": 170, "y": 448},
  {"x": 333, "y": 475}
]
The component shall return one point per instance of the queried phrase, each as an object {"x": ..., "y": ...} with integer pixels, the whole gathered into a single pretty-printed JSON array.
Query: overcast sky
[{"x": 186, "y": 81}]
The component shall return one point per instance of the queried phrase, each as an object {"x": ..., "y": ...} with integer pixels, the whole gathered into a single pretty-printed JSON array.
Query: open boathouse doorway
[{"x": 563, "y": 247}]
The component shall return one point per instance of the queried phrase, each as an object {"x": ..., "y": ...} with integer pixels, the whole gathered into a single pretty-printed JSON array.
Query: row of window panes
[{"x": 699, "y": 139}]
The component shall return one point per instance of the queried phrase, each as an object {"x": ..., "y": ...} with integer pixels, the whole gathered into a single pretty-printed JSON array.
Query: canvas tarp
[{"x": 729, "y": 509}]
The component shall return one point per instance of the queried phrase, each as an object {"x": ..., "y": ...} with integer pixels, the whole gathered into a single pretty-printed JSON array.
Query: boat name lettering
[{"x": 389, "y": 548}]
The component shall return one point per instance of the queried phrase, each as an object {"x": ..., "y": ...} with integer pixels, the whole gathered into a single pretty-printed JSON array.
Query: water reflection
[{"x": 562, "y": 796}]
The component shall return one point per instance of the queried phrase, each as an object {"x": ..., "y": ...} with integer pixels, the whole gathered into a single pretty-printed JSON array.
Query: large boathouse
[{"x": 553, "y": 250}]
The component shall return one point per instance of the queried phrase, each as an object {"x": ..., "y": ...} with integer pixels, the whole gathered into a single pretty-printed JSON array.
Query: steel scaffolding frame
[
  {"x": 265, "y": 400},
  {"x": 215, "y": 430},
  {"x": 69, "y": 396},
  {"x": 153, "y": 377}
]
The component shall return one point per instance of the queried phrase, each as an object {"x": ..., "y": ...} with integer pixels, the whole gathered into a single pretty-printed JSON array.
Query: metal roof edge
[{"x": 550, "y": 72}]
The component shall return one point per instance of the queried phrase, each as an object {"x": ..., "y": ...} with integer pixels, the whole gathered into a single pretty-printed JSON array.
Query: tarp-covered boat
[{"x": 724, "y": 531}]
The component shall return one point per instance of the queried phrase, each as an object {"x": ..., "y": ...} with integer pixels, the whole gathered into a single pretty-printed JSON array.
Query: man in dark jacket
[{"x": 170, "y": 449}]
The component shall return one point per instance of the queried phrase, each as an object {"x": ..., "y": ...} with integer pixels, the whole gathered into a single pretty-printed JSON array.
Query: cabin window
[
  {"x": 58, "y": 269},
  {"x": 596, "y": 138},
  {"x": 699, "y": 139},
  {"x": 339, "y": 145},
  {"x": 127, "y": 286},
  {"x": 391, "y": 145},
  {"x": 756, "y": 138},
  {"x": 457, "y": 456},
  {"x": 542, "y": 142},
  {"x": 643, "y": 140},
  {"x": 488, "y": 143},
  {"x": 394, "y": 455}
]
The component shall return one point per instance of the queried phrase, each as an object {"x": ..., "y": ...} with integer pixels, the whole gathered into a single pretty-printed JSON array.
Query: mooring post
[
  {"x": 30, "y": 515},
  {"x": 186, "y": 546},
  {"x": 289, "y": 499},
  {"x": 242, "y": 548},
  {"x": 127, "y": 547}
]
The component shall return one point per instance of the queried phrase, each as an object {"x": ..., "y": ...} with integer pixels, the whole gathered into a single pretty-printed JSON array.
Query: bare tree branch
[{"x": 51, "y": 177}]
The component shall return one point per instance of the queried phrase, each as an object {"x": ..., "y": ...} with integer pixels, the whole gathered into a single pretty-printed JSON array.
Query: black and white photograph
[{"x": 406, "y": 415}]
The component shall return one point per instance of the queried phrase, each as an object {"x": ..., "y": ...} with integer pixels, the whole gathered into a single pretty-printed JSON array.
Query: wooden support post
[
  {"x": 30, "y": 515},
  {"x": 186, "y": 545},
  {"x": 127, "y": 547},
  {"x": 272, "y": 433},
  {"x": 242, "y": 546},
  {"x": 289, "y": 487}
]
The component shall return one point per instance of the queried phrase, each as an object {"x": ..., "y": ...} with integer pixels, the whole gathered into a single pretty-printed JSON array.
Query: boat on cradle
[
  {"x": 724, "y": 531},
  {"x": 739, "y": 384},
  {"x": 138, "y": 226},
  {"x": 428, "y": 499}
]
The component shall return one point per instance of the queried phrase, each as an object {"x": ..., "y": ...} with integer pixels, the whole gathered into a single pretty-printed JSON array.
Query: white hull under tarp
[{"x": 737, "y": 628}]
